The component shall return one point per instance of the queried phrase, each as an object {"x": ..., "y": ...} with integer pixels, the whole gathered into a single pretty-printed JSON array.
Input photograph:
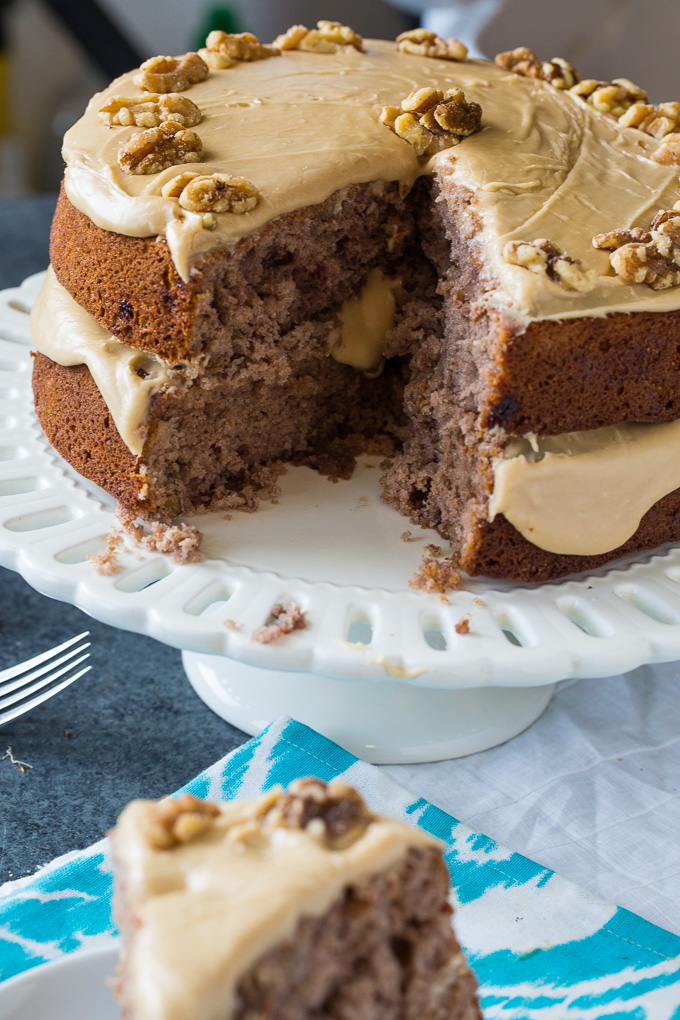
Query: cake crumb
[
  {"x": 228, "y": 517},
  {"x": 463, "y": 625},
  {"x": 406, "y": 536},
  {"x": 443, "y": 598},
  {"x": 105, "y": 562},
  {"x": 480, "y": 603},
  {"x": 232, "y": 625},
  {"x": 284, "y": 621},
  {"x": 435, "y": 551},
  {"x": 435, "y": 576},
  {"x": 130, "y": 522},
  {"x": 180, "y": 541}
]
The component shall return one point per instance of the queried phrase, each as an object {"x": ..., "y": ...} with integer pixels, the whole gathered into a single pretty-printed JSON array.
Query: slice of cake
[
  {"x": 291, "y": 254},
  {"x": 296, "y": 906}
]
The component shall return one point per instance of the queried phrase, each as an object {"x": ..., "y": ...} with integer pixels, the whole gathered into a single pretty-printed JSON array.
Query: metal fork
[{"x": 28, "y": 684}]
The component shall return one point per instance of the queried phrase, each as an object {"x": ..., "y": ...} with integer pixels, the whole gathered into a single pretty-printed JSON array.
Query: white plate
[
  {"x": 371, "y": 645},
  {"x": 73, "y": 988}
]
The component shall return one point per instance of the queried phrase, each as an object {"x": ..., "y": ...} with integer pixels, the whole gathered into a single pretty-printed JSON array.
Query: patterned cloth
[{"x": 542, "y": 947}]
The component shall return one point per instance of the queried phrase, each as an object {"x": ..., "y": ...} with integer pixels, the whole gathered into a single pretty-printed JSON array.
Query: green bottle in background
[{"x": 220, "y": 19}]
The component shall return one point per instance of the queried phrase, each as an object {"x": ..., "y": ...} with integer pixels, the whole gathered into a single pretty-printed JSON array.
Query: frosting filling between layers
[
  {"x": 585, "y": 493},
  {"x": 301, "y": 126},
  {"x": 209, "y": 909},
  {"x": 582, "y": 493},
  {"x": 127, "y": 378},
  {"x": 364, "y": 321}
]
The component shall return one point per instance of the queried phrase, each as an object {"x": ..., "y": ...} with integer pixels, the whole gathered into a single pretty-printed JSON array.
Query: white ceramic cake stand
[{"x": 379, "y": 668}]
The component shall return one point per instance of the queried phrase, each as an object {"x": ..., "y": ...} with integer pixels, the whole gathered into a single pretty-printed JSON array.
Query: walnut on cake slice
[{"x": 296, "y": 904}]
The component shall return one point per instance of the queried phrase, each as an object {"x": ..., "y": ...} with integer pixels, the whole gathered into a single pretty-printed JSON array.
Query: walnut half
[
  {"x": 650, "y": 257},
  {"x": 613, "y": 239},
  {"x": 332, "y": 812},
  {"x": 171, "y": 822},
  {"x": 150, "y": 111},
  {"x": 201, "y": 193},
  {"x": 556, "y": 72},
  {"x": 156, "y": 149},
  {"x": 327, "y": 37},
  {"x": 545, "y": 258},
  {"x": 668, "y": 153},
  {"x": 420, "y": 42},
  {"x": 224, "y": 49},
  {"x": 432, "y": 120},
  {"x": 171, "y": 74}
]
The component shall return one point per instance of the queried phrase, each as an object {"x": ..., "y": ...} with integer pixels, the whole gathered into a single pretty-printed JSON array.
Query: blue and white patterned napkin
[{"x": 543, "y": 948}]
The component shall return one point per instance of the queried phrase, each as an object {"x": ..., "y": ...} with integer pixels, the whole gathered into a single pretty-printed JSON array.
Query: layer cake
[{"x": 406, "y": 265}]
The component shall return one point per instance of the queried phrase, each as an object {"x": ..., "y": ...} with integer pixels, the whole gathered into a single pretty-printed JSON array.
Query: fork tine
[
  {"x": 6, "y": 717},
  {"x": 24, "y": 693},
  {"x": 48, "y": 667},
  {"x": 14, "y": 671}
]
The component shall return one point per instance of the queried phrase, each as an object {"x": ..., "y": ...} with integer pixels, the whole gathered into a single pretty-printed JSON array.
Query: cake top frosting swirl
[{"x": 302, "y": 126}]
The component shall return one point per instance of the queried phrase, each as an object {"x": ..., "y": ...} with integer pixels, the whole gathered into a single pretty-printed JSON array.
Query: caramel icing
[
  {"x": 209, "y": 909},
  {"x": 585, "y": 493},
  {"x": 567, "y": 494},
  {"x": 127, "y": 378},
  {"x": 364, "y": 320},
  {"x": 303, "y": 125}
]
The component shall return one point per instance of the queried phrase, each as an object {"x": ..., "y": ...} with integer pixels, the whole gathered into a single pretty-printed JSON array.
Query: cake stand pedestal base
[{"x": 385, "y": 722}]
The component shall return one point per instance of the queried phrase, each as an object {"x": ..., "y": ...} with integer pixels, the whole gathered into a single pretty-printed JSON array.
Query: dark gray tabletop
[{"x": 131, "y": 727}]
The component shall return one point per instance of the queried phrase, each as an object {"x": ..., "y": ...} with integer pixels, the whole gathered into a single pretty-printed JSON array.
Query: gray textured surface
[{"x": 137, "y": 728}]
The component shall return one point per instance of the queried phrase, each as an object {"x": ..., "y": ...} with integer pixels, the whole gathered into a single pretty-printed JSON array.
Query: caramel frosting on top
[
  {"x": 304, "y": 125},
  {"x": 206, "y": 910}
]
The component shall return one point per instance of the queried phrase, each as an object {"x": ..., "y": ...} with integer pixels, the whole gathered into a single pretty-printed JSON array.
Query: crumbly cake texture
[
  {"x": 496, "y": 335},
  {"x": 273, "y": 393},
  {"x": 308, "y": 905},
  {"x": 284, "y": 620}
]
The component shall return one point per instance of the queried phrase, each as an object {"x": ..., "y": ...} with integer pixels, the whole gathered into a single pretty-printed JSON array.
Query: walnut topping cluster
[
  {"x": 668, "y": 152},
  {"x": 334, "y": 813},
  {"x": 620, "y": 98},
  {"x": 171, "y": 74},
  {"x": 327, "y": 37},
  {"x": 224, "y": 49},
  {"x": 614, "y": 98},
  {"x": 432, "y": 120},
  {"x": 156, "y": 149},
  {"x": 202, "y": 193},
  {"x": 149, "y": 111},
  {"x": 627, "y": 102},
  {"x": 543, "y": 257},
  {"x": 167, "y": 116},
  {"x": 657, "y": 121},
  {"x": 641, "y": 256},
  {"x": 171, "y": 822},
  {"x": 423, "y": 43},
  {"x": 557, "y": 72}
]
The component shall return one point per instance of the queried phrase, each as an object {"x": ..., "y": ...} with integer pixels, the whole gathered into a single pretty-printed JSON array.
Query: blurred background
[{"x": 54, "y": 55}]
